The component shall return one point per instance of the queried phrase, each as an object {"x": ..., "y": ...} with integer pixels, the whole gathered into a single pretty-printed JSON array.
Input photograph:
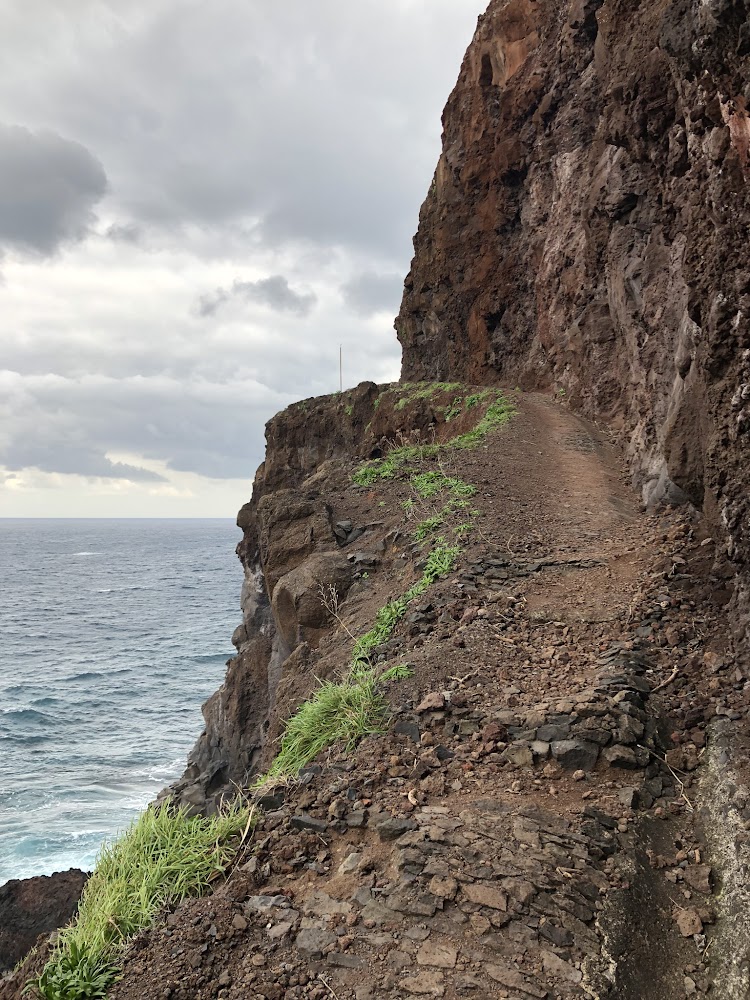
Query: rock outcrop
[
  {"x": 34, "y": 906},
  {"x": 587, "y": 231},
  {"x": 298, "y": 537}
]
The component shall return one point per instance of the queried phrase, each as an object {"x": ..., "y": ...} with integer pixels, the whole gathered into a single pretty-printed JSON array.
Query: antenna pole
[{"x": 341, "y": 369}]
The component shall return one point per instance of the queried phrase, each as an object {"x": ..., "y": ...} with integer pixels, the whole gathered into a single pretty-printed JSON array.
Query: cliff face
[
  {"x": 34, "y": 906},
  {"x": 299, "y": 531},
  {"x": 586, "y": 230}
]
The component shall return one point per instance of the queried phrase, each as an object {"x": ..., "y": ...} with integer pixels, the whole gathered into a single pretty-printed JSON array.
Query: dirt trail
[{"x": 517, "y": 832}]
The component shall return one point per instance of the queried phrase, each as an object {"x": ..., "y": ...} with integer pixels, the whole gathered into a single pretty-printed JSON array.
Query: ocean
[{"x": 112, "y": 635}]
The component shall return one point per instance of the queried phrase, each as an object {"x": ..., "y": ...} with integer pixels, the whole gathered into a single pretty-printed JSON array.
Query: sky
[{"x": 199, "y": 202}]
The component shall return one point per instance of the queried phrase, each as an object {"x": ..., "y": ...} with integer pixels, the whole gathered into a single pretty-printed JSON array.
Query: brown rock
[
  {"x": 688, "y": 922},
  {"x": 486, "y": 895},
  {"x": 425, "y": 984},
  {"x": 431, "y": 703},
  {"x": 34, "y": 906},
  {"x": 443, "y": 956},
  {"x": 445, "y": 888},
  {"x": 698, "y": 877},
  {"x": 506, "y": 976}
]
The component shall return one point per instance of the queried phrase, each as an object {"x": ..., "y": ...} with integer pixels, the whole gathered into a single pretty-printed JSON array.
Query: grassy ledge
[
  {"x": 163, "y": 857},
  {"x": 498, "y": 412}
]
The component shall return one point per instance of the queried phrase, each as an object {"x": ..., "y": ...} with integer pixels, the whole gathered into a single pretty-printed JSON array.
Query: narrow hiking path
[{"x": 516, "y": 832}]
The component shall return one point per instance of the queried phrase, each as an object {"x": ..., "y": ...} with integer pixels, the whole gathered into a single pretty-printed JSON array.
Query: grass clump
[
  {"x": 395, "y": 460},
  {"x": 385, "y": 621},
  {"x": 428, "y": 526},
  {"x": 336, "y": 713},
  {"x": 163, "y": 857},
  {"x": 476, "y": 398},
  {"x": 428, "y": 484},
  {"x": 497, "y": 414},
  {"x": 401, "y": 672}
]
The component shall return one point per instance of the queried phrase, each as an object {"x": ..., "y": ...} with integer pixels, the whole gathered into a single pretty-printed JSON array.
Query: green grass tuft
[
  {"x": 428, "y": 526},
  {"x": 428, "y": 484},
  {"x": 401, "y": 672},
  {"x": 162, "y": 858},
  {"x": 336, "y": 712},
  {"x": 497, "y": 414},
  {"x": 386, "y": 468}
]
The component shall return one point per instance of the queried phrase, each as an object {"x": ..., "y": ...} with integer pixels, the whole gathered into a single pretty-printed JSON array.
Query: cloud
[
  {"x": 370, "y": 293},
  {"x": 273, "y": 292},
  {"x": 48, "y": 188},
  {"x": 264, "y": 163},
  {"x": 124, "y": 233},
  {"x": 300, "y": 123}
]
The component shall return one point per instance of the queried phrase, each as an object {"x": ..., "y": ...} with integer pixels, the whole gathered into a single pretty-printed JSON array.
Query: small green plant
[
  {"x": 429, "y": 484},
  {"x": 163, "y": 857},
  {"x": 455, "y": 408},
  {"x": 464, "y": 529},
  {"x": 475, "y": 398},
  {"x": 348, "y": 410},
  {"x": 409, "y": 505},
  {"x": 395, "y": 460},
  {"x": 401, "y": 672},
  {"x": 428, "y": 526},
  {"x": 385, "y": 621},
  {"x": 336, "y": 713}
]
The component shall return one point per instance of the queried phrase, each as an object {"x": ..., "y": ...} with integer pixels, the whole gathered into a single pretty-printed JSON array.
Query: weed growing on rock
[
  {"x": 426, "y": 527},
  {"x": 428, "y": 484},
  {"x": 475, "y": 398},
  {"x": 395, "y": 460},
  {"x": 163, "y": 857},
  {"x": 385, "y": 621}
]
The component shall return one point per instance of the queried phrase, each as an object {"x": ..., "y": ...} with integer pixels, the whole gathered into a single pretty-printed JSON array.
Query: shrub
[{"x": 163, "y": 857}]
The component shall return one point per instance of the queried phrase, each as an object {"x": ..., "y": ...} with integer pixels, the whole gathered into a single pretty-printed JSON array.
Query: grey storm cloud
[
  {"x": 300, "y": 122},
  {"x": 70, "y": 425},
  {"x": 240, "y": 138},
  {"x": 273, "y": 292},
  {"x": 370, "y": 293},
  {"x": 124, "y": 233},
  {"x": 48, "y": 188}
]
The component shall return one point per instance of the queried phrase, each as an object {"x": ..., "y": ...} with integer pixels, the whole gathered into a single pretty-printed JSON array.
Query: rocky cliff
[
  {"x": 35, "y": 906},
  {"x": 586, "y": 231},
  {"x": 304, "y": 528}
]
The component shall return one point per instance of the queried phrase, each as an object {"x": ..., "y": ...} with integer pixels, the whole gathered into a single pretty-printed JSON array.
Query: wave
[
  {"x": 122, "y": 590},
  {"x": 28, "y": 714},
  {"x": 86, "y": 553}
]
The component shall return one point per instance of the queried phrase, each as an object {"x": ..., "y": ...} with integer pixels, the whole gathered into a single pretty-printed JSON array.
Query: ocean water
[{"x": 112, "y": 634}]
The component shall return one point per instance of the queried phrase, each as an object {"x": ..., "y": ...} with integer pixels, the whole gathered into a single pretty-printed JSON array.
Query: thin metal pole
[{"x": 341, "y": 369}]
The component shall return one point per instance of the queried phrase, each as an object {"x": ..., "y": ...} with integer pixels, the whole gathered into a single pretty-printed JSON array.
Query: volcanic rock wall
[
  {"x": 294, "y": 542},
  {"x": 587, "y": 230}
]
